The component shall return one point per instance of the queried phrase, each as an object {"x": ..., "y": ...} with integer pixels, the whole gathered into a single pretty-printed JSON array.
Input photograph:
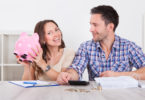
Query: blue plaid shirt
[{"x": 123, "y": 57}]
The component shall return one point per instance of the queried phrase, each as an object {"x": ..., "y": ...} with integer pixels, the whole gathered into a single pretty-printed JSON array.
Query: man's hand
[
  {"x": 108, "y": 74},
  {"x": 63, "y": 78}
]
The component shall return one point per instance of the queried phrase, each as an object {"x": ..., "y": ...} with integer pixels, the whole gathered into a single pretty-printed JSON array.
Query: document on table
[
  {"x": 142, "y": 84},
  {"x": 37, "y": 83},
  {"x": 117, "y": 82}
]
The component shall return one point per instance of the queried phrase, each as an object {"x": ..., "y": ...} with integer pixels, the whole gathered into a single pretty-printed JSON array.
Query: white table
[{"x": 10, "y": 91}]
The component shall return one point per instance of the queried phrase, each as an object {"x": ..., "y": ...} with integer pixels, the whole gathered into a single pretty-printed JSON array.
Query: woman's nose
[{"x": 56, "y": 34}]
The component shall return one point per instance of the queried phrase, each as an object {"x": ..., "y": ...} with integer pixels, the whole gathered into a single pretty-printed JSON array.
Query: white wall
[{"x": 72, "y": 16}]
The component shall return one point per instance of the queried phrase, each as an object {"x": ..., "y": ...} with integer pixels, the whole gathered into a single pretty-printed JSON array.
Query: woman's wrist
[
  {"x": 27, "y": 67},
  {"x": 43, "y": 66}
]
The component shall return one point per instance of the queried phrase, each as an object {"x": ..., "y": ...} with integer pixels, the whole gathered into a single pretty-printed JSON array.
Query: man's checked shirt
[{"x": 123, "y": 57}]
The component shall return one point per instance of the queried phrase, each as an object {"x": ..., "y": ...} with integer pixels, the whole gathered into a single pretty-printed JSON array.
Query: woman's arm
[
  {"x": 51, "y": 73},
  {"x": 29, "y": 73}
]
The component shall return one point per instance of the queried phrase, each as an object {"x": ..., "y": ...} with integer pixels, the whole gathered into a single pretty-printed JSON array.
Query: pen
[{"x": 27, "y": 82}]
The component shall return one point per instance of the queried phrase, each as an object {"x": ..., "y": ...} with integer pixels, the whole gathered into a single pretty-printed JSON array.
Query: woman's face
[{"x": 52, "y": 35}]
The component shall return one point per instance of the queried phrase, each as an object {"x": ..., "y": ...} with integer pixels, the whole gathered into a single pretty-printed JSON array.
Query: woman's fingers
[
  {"x": 32, "y": 55},
  {"x": 36, "y": 55},
  {"x": 24, "y": 63},
  {"x": 38, "y": 48},
  {"x": 35, "y": 51},
  {"x": 18, "y": 60}
]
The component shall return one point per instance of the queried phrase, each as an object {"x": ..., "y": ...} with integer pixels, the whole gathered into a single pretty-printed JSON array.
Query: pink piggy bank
[{"x": 24, "y": 46}]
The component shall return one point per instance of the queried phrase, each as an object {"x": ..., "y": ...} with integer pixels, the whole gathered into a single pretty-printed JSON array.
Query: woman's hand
[
  {"x": 37, "y": 57},
  {"x": 24, "y": 63}
]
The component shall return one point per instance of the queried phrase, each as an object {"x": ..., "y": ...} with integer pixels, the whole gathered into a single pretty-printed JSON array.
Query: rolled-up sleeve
[
  {"x": 81, "y": 60},
  {"x": 137, "y": 57}
]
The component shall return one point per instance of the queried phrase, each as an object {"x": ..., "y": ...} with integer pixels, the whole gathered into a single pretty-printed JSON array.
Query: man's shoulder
[
  {"x": 87, "y": 43},
  {"x": 123, "y": 40},
  {"x": 126, "y": 42}
]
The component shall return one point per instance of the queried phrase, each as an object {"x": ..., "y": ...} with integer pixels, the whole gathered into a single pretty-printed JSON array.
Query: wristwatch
[{"x": 47, "y": 68}]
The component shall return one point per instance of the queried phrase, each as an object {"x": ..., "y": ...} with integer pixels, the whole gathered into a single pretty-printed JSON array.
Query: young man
[{"x": 106, "y": 54}]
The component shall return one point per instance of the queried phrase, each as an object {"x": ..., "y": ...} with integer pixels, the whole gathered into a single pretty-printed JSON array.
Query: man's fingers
[{"x": 102, "y": 74}]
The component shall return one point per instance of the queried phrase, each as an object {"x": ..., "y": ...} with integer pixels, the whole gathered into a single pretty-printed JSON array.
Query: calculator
[{"x": 74, "y": 82}]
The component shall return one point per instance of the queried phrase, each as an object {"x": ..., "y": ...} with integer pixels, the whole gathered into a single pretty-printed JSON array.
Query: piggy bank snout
[{"x": 24, "y": 56}]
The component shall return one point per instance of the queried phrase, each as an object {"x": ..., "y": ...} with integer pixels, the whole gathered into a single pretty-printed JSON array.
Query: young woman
[{"x": 52, "y": 58}]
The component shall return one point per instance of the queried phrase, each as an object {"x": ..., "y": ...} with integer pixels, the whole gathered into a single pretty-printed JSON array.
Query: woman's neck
[
  {"x": 53, "y": 51},
  {"x": 54, "y": 54}
]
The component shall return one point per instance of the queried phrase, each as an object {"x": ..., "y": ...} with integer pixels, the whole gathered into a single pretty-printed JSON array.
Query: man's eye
[
  {"x": 95, "y": 25},
  {"x": 57, "y": 30}
]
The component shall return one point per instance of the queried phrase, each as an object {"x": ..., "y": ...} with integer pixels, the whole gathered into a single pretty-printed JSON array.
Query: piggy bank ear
[
  {"x": 23, "y": 34},
  {"x": 35, "y": 36}
]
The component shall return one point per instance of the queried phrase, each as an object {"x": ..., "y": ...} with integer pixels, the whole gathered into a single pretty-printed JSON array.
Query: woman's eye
[{"x": 49, "y": 32}]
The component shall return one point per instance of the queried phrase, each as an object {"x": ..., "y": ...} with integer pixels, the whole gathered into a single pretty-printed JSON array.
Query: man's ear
[{"x": 110, "y": 27}]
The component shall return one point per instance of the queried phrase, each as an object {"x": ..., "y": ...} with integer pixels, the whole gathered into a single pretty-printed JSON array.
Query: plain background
[{"x": 72, "y": 16}]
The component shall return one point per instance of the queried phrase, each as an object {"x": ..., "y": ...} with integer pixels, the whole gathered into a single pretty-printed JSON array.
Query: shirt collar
[
  {"x": 96, "y": 44},
  {"x": 115, "y": 44}
]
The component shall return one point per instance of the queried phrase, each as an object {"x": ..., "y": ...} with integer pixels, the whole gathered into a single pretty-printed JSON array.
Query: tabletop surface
[{"x": 10, "y": 91}]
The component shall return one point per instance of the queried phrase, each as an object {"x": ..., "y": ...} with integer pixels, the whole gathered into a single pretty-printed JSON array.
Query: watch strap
[{"x": 47, "y": 68}]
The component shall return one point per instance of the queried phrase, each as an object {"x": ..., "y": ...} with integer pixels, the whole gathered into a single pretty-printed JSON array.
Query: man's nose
[{"x": 91, "y": 29}]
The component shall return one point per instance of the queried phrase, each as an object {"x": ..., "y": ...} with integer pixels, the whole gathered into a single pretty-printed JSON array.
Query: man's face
[{"x": 98, "y": 27}]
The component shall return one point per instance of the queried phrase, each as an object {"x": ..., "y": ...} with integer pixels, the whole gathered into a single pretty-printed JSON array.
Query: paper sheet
[
  {"x": 117, "y": 82},
  {"x": 142, "y": 83},
  {"x": 39, "y": 83}
]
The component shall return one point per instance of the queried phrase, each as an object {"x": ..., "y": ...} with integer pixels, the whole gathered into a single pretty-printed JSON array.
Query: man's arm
[
  {"x": 141, "y": 73},
  {"x": 138, "y": 74},
  {"x": 75, "y": 71},
  {"x": 137, "y": 58}
]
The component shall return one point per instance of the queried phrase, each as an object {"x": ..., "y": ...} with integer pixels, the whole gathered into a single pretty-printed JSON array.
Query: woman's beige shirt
[{"x": 64, "y": 62}]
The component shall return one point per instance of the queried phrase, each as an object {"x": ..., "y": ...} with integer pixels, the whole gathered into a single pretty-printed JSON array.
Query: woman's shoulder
[{"x": 69, "y": 51}]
